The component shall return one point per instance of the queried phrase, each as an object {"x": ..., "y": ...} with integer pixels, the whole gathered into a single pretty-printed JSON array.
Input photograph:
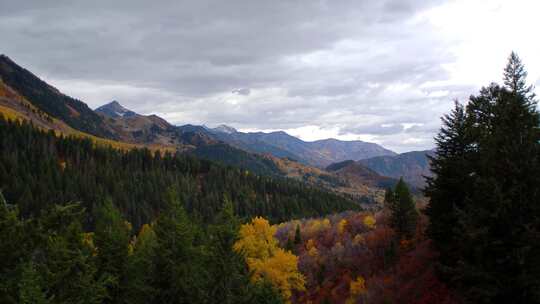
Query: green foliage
[
  {"x": 31, "y": 286},
  {"x": 111, "y": 237},
  {"x": 403, "y": 210},
  {"x": 484, "y": 211},
  {"x": 172, "y": 261},
  {"x": 39, "y": 169}
]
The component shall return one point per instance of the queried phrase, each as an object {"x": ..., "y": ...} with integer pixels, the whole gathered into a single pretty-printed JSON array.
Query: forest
[
  {"x": 38, "y": 169},
  {"x": 83, "y": 223}
]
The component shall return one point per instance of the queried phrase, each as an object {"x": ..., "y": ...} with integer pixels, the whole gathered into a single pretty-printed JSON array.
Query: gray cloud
[{"x": 355, "y": 66}]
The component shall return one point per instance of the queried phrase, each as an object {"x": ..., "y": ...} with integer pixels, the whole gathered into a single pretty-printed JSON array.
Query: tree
[
  {"x": 179, "y": 276},
  {"x": 266, "y": 261},
  {"x": 111, "y": 238},
  {"x": 486, "y": 181},
  {"x": 230, "y": 280},
  {"x": 515, "y": 77},
  {"x": 140, "y": 268},
  {"x": 31, "y": 289},
  {"x": 452, "y": 178},
  {"x": 403, "y": 210},
  {"x": 297, "y": 236}
]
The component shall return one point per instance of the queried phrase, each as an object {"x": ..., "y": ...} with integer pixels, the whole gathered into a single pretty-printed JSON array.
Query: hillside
[
  {"x": 49, "y": 100},
  {"x": 412, "y": 166},
  {"x": 370, "y": 195},
  {"x": 64, "y": 169},
  {"x": 354, "y": 171}
]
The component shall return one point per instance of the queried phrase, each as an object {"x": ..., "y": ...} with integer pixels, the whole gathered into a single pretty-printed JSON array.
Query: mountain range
[{"x": 362, "y": 166}]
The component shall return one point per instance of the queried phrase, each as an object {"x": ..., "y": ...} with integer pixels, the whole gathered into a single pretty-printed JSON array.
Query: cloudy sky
[{"x": 380, "y": 71}]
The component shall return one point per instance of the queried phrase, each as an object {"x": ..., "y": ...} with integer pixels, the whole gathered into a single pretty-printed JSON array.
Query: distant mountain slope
[
  {"x": 368, "y": 193},
  {"x": 338, "y": 150},
  {"x": 51, "y": 101},
  {"x": 411, "y": 165},
  {"x": 319, "y": 153},
  {"x": 355, "y": 171}
]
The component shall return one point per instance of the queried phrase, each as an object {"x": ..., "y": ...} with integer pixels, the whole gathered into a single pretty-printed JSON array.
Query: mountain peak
[
  {"x": 225, "y": 129},
  {"x": 115, "y": 109}
]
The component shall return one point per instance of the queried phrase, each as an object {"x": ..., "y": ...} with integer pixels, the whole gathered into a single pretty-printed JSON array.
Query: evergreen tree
[
  {"x": 111, "y": 238},
  {"x": 297, "y": 236},
  {"x": 140, "y": 268},
  {"x": 68, "y": 265},
  {"x": 403, "y": 210},
  {"x": 31, "y": 286},
  {"x": 452, "y": 171},
  {"x": 515, "y": 77},
  {"x": 178, "y": 276},
  {"x": 486, "y": 180},
  {"x": 12, "y": 250}
]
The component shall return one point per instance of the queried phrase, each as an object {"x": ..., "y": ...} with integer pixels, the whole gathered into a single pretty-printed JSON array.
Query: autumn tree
[{"x": 266, "y": 260}]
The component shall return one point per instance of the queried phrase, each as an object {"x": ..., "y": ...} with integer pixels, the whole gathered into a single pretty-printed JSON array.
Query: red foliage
[{"x": 399, "y": 273}]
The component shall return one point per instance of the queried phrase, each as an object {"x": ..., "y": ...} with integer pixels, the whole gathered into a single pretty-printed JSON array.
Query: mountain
[
  {"x": 24, "y": 96},
  {"x": 412, "y": 166},
  {"x": 319, "y": 153},
  {"x": 224, "y": 129},
  {"x": 115, "y": 109},
  {"x": 50, "y": 101}
]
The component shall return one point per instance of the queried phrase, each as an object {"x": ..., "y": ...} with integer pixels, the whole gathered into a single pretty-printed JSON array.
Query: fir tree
[
  {"x": 486, "y": 181},
  {"x": 403, "y": 211},
  {"x": 451, "y": 167}
]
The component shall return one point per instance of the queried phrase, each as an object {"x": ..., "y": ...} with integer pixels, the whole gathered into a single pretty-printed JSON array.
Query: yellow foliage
[
  {"x": 369, "y": 221},
  {"x": 281, "y": 270},
  {"x": 325, "y": 224},
  {"x": 317, "y": 226},
  {"x": 266, "y": 260},
  {"x": 358, "y": 286},
  {"x": 257, "y": 239},
  {"x": 88, "y": 241},
  {"x": 342, "y": 225},
  {"x": 358, "y": 240},
  {"x": 313, "y": 252},
  {"x": 310, "y": 244}
]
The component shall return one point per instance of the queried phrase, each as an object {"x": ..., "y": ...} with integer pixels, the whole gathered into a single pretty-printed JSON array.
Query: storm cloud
[{"x": 383, "y": 71}]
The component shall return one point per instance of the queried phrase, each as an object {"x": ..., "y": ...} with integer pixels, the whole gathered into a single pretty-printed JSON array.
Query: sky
[{"x": 380, "y": 71}]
